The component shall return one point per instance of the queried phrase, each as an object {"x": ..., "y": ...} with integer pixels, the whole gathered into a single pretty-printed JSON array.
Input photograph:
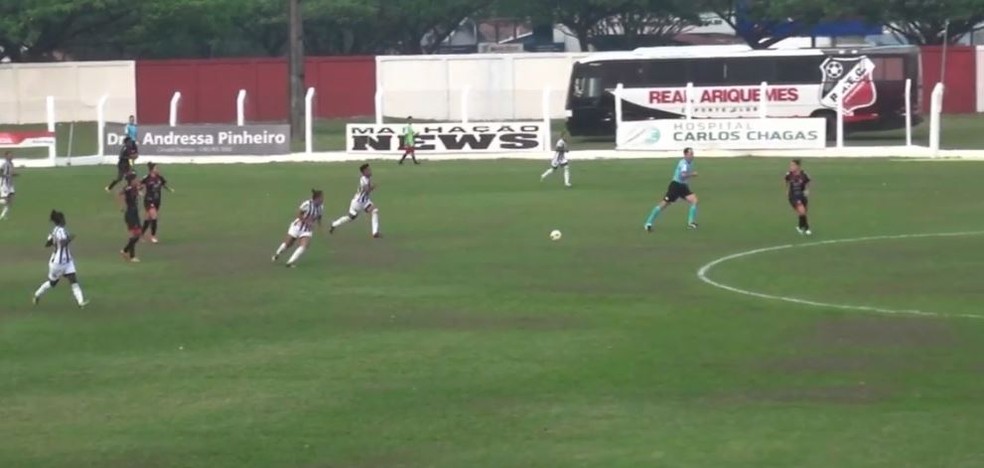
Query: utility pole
[{"x": 295, "y": 44}]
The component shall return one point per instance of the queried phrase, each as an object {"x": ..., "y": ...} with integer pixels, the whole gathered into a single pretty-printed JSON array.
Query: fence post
[
  {"x": 464, "y": 103},
  {"x": 379, "y": 106},
  {"x": 308, "y": 121},
  {"x": 908, "y": 112},
  {"x": 689, "y": 112},
  {"x": 241, "y": 108},
  {"x": 547, "y": 131},
  {"x": 175, "y": 99},
  {"x": 764, "y": 100},
  {"x": 50, "y": 110},
  {"x": 936, "y": 109},
  {"x": 840, "y": 120},
  {"x": 618, "y": 108},
  {"x": 101, "y": 126}
]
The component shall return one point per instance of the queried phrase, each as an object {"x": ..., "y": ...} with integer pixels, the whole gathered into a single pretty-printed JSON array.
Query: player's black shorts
[
  {"x": 122, "y": 170},
  {"x": 132, "y": 219},
  {"x": 676, "y": 191},
  {"x": 152, "y": 203},
  {"x": 796, "y": 200}
]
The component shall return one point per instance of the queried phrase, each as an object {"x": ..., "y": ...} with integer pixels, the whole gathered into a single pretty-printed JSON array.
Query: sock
[
  {"x": 153, "y": 227},
  {"x": 403, "y": 158},
  {"x": 296, "y": 255},
  {"x": 567, "y": 175},
  {"x": 692, "y": 217},
  {"x": 131, "y": 247},
  {"x": 414, "y": 156},
  {"x": 45, "y": 287},
  {"x": 341, "y": 221},
  {"x": 652, "y": 215},
  {"x": 145, "y": 226},
  {"x": 375, "y": 222},
  {"x": 3, "y": 214},
  {"x": 545, "y": 174},
  {"x": 113, "y": 183},
  {"x": 281, "y": 249},
  {"x": 77, "y": 292},
  {"x": 803, "y": 223}
]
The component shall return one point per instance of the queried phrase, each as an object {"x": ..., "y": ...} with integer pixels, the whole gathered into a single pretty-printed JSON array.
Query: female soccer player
[
  {"x": 797, "y": 192},
  {"x": 409, "y": 142},
  {"x": 361, "y": 202},
  {"x": 7, "y": 175},
  {"x": 679, "y": 188},
  {"x": 61, "y": 264},
  {"x": 559, "y": 160},
  {"x": 153, "y": 184},
  {"x": 128, "y": 198},
  {"x": 124, "y": 165},
  {"x": 301, "y": 229}
]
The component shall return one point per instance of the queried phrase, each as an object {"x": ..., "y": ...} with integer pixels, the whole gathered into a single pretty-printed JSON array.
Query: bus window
[
  {"x": 588, "y": 81},
  {"x": 708, "y": 72},
  {"x": 798, "y": 70},
  {"x": 668, "y": 73},
  {"x": 748, "y": 71},
  {"x": 888, "y": 69}
]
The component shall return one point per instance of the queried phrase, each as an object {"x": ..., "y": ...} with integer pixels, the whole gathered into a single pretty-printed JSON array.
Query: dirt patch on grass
[
  {"x": 838, "y": 363},
  {"x": 881, "y": 332}
]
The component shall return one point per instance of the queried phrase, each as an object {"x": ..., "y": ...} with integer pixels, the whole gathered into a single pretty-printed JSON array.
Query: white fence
[
  {"x": 477, "y": 87},
  {"x": 76, "y": 88}
]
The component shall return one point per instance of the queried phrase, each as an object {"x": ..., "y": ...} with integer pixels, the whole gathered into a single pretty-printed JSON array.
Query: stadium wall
[
  {"x": 962, "y": 79},
  {"x": 76, "y": 87},
  {"x": 345, "y": 87},
  {"x": 500, "y": 86}
]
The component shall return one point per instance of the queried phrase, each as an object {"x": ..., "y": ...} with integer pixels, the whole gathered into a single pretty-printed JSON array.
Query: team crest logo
[{"x": 850, "y": 78}]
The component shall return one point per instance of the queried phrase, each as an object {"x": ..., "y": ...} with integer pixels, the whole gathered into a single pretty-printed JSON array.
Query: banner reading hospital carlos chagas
[
  {"x": 726, "y": 134},
  {"x": 203, "y": 140},
  {"x": 437, "y": 138}
]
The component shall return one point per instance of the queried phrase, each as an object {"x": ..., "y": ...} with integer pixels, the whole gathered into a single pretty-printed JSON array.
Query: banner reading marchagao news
[
  {"x": 438, "y": 138},
  {"x": 203, "y": 140}
]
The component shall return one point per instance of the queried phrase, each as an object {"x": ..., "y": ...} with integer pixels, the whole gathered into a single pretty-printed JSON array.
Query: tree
[
  {"x": 764, "y": 23},
  {"x": 924, "y": 22},
  {"x": 648, "y": 22},
  {"x": 35, "y": 30}
]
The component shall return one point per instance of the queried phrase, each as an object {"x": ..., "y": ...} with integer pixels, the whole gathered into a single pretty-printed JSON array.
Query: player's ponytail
[
  {"x": 57, "y": 217},
  {"x": 315, "y": 193}
]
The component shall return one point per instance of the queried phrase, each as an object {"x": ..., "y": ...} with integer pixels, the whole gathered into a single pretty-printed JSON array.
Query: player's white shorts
[
  {"x": 558, "y": 161},
  {"x": 356, "y": 206},
  {"x": 299, "y": 230},
  {"x": 57, "y": 270},
  {"x": 6, "y": 191}
]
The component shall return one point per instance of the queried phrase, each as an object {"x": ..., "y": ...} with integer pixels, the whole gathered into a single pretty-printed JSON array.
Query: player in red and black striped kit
[
  {"x": 129, "y": 199},
  {"x": 124, "y": 165},
  {"x": 153, "y": 184},
  {"x": 797, "y": 192}
]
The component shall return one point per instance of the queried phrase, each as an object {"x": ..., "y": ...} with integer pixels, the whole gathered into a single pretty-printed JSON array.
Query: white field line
[{"x": 702, "y": 273}]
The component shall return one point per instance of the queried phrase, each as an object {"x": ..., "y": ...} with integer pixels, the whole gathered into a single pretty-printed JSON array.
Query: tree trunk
[{"x": 296, "y": 68}]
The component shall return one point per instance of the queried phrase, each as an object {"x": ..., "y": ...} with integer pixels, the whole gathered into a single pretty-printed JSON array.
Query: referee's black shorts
[{"x": 676, "y": 191}]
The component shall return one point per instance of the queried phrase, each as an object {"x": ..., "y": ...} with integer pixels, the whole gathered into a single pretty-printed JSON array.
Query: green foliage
[{"x": 38, "y": 30}]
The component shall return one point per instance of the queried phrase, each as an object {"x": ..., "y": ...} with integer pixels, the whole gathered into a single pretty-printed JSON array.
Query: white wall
[
  {"x": 502, "y": 86},
  {"x": 76, "y": 86},
  {"x": 980, "y": 78}
]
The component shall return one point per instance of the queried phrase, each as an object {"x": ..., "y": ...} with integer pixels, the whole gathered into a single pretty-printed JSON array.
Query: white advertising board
[
  {"x": 730, "y": 134},
  {"x": 443, "y": 138}
]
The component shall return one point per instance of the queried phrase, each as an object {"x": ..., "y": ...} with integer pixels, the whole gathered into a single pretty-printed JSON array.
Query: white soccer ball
[{"x": 555, "y": 235}]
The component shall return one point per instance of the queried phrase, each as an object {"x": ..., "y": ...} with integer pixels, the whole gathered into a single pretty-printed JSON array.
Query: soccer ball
[{"x": 555, "y": 235}]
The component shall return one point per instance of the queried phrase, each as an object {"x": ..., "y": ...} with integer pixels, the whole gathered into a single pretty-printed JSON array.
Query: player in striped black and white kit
[
  {"x": 6, "y": 184},
  {"x": 361, "y": 202},
  {"x": 559, "y": 160},
  {"x": 61, "y": 264},
  {"x": 302, "y": 228}
]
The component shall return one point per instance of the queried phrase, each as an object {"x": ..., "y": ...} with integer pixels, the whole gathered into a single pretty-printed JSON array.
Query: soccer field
[{"x": 465, "y": 337}]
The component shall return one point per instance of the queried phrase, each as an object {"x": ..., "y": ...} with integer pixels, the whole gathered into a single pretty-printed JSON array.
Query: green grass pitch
[{"x": 465, "y": 337}]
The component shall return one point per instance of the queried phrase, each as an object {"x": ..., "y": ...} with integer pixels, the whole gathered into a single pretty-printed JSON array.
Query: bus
[{"x": 727, "y": 79}]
